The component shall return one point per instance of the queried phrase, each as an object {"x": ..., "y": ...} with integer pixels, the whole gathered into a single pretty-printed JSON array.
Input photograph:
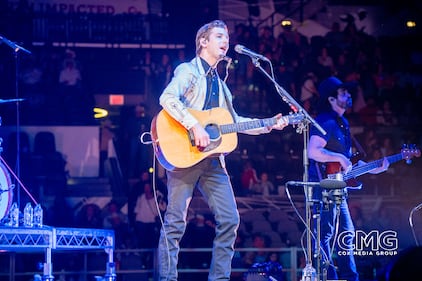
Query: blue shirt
[
  {"x": 211, "y": 99},
  {"x": 338, "y": 138}
]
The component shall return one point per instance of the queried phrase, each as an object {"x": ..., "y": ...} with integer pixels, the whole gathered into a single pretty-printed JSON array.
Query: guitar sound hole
[
  {"x": 213, "y": 131},
  {"x": 215, "y": 137}
]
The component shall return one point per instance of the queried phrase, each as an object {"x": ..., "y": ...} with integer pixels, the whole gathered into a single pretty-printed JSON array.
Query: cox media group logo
[{"x": 373, "y": 243}]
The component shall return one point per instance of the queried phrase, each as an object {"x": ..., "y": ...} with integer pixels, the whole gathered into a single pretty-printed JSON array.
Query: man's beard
[{"x": 346, "y": 104}]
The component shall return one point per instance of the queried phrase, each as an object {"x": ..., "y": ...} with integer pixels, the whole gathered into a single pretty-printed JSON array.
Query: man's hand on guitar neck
[
  {"x": 383, "y": 168},
  {"x": 281, "y": 122}
]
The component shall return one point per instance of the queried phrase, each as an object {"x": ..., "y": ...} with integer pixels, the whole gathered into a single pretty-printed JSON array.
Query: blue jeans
[
  {"x": 214, "y": 184},
  {"x": 345, "y": 262}
]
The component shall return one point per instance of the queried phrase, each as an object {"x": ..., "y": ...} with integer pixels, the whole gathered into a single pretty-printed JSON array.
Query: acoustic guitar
[
  {"x": 174, "y": 146},
  {"x": 334, "y": 169}
]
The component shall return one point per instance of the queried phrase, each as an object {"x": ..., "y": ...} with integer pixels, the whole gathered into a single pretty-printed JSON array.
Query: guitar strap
[
  {"x": 358, "y": 146},
  {"x": 226, "y": 98},
  {"x": 318, "y": 170}
]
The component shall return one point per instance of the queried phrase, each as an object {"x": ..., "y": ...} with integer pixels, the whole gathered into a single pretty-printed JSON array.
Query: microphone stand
[
  {"x": 16, "y": 48},
  {"x": 417, "y": 208},
  {"x": 309, "y": 272},
  {"x": 286, "y": 97}
]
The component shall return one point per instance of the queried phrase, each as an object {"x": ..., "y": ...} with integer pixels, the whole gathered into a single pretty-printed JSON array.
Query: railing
[{"x": 88, "y": 265}]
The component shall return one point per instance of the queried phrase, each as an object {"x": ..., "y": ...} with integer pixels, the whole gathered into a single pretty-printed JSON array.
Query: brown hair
[{"x": 205, "y": 30}]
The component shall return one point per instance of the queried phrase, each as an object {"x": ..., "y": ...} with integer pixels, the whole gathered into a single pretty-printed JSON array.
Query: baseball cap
[{"x": 328, "y": 87}]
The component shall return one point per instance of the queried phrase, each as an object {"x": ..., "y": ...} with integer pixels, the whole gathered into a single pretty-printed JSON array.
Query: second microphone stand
[{"x": 16, "y": 50}]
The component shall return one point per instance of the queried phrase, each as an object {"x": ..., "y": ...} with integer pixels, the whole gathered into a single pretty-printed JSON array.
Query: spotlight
[
  {"x": 100, "y": 112},
  {"x": 410, "y": 24},
  {"x": 286, "y": 23}
]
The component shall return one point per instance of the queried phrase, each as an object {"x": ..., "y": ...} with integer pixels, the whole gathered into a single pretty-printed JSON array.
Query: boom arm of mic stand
[
  {"x": 13, "y": 45},
  {"x": 286, "y": 97}
]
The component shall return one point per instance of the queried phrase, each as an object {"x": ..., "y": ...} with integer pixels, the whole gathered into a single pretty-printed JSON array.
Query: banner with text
[{"x": 87, "y": 6}]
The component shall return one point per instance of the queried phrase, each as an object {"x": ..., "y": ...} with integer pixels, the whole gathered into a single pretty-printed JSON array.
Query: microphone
[
  {"x": 332, "y": 184},
  {"x": 302, "y": 183},
  {"x": 325, "y": 183},
  {"x": 245, "y": 51}
]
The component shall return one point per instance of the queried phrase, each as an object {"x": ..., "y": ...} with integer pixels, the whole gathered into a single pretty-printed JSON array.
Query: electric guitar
[
  {"x": 174, "y": 146},
  {"x": 334, "y": 169}
]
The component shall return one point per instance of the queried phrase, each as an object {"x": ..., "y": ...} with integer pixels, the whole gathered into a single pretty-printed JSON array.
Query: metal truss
[
  {"x": 23, "y": 239},
  {"x": 79, "y": 238}
]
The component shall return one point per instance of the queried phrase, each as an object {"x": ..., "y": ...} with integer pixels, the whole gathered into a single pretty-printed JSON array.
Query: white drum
[{"x": 6, "y": 192}]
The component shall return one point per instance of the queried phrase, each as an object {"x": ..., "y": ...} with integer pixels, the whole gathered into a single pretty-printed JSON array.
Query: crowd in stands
[
  {"x": 385, "y": 73},
  {"x": 386, "y": 81}
]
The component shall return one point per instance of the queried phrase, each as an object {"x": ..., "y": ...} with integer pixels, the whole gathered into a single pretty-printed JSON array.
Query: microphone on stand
[
  {"x": 302, "y": 183},
  {"x": 332, "y": 184},
  {"x": 325, "y": 183},
  {"x": 245, "y": 51}
]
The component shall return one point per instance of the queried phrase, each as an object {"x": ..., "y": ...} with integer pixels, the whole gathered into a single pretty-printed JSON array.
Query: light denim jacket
[{"x": 188, "y": 88}]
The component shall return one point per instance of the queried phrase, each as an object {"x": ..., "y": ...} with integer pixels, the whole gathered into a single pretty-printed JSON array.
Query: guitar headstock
[
  {"x": 410, "y": 151},
  {"x": 295, "y": 118}
]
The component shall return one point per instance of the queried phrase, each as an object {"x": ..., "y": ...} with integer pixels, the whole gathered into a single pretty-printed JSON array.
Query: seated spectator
[
  {"x": 248, "y": 178},
  {"x": 264, "y": 186},
  {"x": 89, "y": 216},
  {"x": 259, "y": 241},
  {"x": 326, "y": 61},
  {"x": 368, "y": 140},
  {"x": 113, "y": 218},
  {"x": 147, "y": 216},
  {"x": 147, "y": 220},
  {"x": 308, "y": 88},
  {"x": 385, "y": 114},
  {"x": 368, "y": 114},
  {"x": 388, "y": 147}
]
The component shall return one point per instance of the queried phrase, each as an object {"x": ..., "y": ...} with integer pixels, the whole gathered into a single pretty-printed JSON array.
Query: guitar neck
[
  {"x": 363, "y": 169},
  {"x": 247, "y": 125}
]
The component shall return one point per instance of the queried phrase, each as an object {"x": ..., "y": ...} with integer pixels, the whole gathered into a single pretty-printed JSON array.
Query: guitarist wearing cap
[
  {"x": 334, "y": 147},
  {"x": 196, "y": 92}
]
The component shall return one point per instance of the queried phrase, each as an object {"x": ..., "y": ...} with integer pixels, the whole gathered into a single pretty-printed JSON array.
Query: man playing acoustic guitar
[
  {"x": 334, "y": 148},
  {"x": 196, "y": 87}
]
